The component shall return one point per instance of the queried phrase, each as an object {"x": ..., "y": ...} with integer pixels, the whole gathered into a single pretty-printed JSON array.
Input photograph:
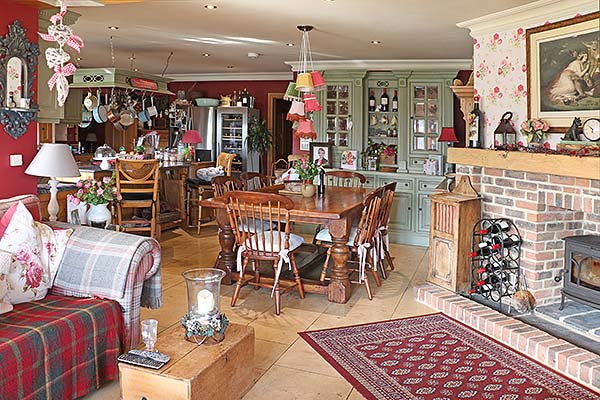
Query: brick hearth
[
  {"x": 577, "y": 363},
  {"x": 545, "y": 209}
]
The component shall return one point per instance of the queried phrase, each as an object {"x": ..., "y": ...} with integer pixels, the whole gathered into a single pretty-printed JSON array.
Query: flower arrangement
[
  {"x": 390, "y": 150},
  {"x": 95, "y": 192},
  {"x": 306, "y": 169},
  {"x": 374, "y": 149},
  {"x": 535, "y": 130}
]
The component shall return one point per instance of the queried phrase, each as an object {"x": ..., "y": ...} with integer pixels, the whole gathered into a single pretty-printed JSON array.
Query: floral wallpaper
[{"x": 500, "y": 68}]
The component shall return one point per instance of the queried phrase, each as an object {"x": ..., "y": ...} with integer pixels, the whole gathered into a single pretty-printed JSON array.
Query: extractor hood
[{"x": 119, "y": 78}]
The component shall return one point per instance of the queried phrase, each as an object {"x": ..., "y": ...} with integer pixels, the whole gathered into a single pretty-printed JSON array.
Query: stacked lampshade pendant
[{"x": 301, "y": 93}]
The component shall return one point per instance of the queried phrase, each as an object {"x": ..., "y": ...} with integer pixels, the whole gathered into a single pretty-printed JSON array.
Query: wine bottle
[
  {"x": 494, "y": 228},
  {"x": 245, "y": 98},
  {"x": 385, "y": 100},
  {"x": 475, "y": 125},
  {"x": 395, "y": 101},
  {"x": 507, "y": 241},
  {"x": 234, "y": 98},
  {"x": 372, "y": 105},
  {"x": 321, "y": 181},
  {"x": 485, "y": 249}
]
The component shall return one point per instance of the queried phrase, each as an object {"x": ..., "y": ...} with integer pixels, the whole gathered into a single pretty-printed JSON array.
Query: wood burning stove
[{"x": 581, "y": 273}]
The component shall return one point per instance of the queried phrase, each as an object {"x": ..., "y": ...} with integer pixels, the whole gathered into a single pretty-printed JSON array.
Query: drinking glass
[{"x": 149, "y": 333}]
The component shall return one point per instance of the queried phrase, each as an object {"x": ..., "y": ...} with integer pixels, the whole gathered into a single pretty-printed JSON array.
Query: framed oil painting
[{"x": 563, "y": 71}]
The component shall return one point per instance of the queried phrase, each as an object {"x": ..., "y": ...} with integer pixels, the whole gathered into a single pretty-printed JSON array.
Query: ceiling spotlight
[
  {"x": 229, "y": 66},
  {"x": 131, "y": 58},
  {"x": 375, "y": 41},
  {"x": 136, "y": 69},
  {"x": 290, "y": 44},
  {"x": 79, "y": 58},
  {"x": 113, "y": 27},
  {"x": 206, "y": 55},
  {"x": 210, "y": 6}
]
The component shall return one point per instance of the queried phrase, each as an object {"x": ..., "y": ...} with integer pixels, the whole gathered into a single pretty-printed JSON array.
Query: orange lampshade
[
  {"x": 448, "y": 135},
  {"x": 304, "y": 82},
  {"x": 310, "y": 103},
  {"x": 296, "y": 112},
  {"x": 191, "y": 137},
  {"x": 318, "y": 80},
  {"x": 306, "y": 129}
]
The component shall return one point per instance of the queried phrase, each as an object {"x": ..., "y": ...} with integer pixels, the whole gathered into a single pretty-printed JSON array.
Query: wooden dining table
[{"x": 337, "y": 209}]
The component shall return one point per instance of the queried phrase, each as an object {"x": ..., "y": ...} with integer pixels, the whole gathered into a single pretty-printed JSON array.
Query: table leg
[
  {"x": 227, "y": 242},
  {"x": 339, "y": 289}
]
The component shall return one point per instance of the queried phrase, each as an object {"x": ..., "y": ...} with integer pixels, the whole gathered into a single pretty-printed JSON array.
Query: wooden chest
[{"x": 224, "y": 371}]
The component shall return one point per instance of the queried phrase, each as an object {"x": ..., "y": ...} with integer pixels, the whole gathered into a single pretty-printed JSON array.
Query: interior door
[{"x": 282, "y": 130}]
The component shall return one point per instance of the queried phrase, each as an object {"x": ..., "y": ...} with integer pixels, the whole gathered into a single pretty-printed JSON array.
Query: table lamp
[
  {"x": 51, "y": 161},
  {"x": 191, "y": 137},
  {"x": 448, "y": 136},
  {"x": 91, "y": 138}
]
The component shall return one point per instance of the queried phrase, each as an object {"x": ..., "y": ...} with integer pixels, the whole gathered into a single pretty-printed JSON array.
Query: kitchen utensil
[
  {"x": 90, "y": 101},
  {"x": 118, "y": 126},
  {"x": 152, "y": 111},
  {"x": 127, "y": 118},
  {"x": 100, "y": 113},
  {"x": 142, "y": 115}
]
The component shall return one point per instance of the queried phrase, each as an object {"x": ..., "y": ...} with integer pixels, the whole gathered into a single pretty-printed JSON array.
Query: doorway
[{"x": 280, "y": 127}]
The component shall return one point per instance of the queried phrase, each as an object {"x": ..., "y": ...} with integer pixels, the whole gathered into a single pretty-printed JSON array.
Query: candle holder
[{"x": 203, "y": 320}]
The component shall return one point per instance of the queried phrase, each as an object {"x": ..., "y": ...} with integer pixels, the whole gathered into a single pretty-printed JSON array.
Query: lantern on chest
[{"x": 505, "y": 133}]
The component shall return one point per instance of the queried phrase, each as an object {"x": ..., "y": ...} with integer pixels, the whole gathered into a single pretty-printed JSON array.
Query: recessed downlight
[
  {"x": 210, "y": 6},
  {"x": 136, "y": 69},
  {"x": 290, "y": 44},
  {"x": 131, "y": 58},
  {"x": 375, "y": 41},
  {"x": 206, "y": 55},
  {"x": 230, "y": 67},
  {"x": 113, "y": 27},
  {"x": 79, "y": 59}
]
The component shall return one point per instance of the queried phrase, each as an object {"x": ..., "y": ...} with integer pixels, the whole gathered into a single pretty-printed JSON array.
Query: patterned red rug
[{"x": 436, "y": 357}]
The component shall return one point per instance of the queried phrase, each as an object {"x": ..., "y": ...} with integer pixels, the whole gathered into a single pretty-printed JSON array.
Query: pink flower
[
  {"x": 496, "y": 89},
  {"x": 23, "y": 256},
  {"x": 496, "y": 36},
  {"x": 537, "y": 125},
  {"x": 99, "y": 183},
  {"x": 524, "y": 125},
  {"x": 100, "y": 192},
  {"x": 79, "y": 184},
  {"x": 33, "y": 276},
  {"x": 520, "y": 143},
  {"x": 545, "y": 127},
  {"x": 87, "y": 185},
  {"x": 546, "y": 145},
  {"x": 520, "y": 31},
  {"x": 106, "y": 179},
  {"x": 119, "y": 197},
  {"x": 74, "y": 200},
  {"x": 499, "y": 71},
  {"x": 520, "y": 88},
  {"x": 478, "y": 74}
]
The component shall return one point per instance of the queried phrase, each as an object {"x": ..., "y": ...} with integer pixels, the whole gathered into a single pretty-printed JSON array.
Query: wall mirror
[{"x": 18, "y": 68}]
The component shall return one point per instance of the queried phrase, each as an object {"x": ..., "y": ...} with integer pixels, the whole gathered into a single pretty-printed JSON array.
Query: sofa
[{"x": 66, "y": 345}]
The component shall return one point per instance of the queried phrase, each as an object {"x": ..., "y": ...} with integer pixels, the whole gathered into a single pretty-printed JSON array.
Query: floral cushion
[
  {"x": 5, "y": 263},
  {"x": 206, "y": 174},
  {"x": 36, "y": 251}
]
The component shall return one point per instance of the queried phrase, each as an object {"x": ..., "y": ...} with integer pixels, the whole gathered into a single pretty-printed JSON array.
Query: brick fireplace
[{"x": 545, "y": 206}]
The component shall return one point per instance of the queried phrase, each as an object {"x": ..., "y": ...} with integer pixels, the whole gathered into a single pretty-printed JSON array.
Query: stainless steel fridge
[
  {"x": 204, "y": 119},
  {"x": 232, "y": 130}
]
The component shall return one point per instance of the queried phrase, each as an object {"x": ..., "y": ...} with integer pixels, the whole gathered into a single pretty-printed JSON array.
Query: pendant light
[{"x": 304, "y": 82}]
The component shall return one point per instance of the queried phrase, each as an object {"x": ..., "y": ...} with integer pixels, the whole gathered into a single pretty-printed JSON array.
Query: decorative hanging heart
[
  {"x": 62, "y": 90},
  {"x": 56, "y": 57},
  {"x": 61, "y": 33}
]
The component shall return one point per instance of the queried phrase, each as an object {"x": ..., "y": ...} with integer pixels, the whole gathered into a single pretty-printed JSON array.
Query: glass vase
[{"x": 203, "y": 289}]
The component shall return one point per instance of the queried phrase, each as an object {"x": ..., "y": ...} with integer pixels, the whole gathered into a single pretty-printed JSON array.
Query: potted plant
[
  {"x": 96, "y": 193},
  {"x": 535, "y": 130},
  {"x": 259, "y": 138},
  {"x": 306, "y": 170},
  {"x": 371, "y": 155}
]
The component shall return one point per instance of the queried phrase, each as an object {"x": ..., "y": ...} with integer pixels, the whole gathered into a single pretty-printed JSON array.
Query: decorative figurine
[{"x": 573, "y": 131}]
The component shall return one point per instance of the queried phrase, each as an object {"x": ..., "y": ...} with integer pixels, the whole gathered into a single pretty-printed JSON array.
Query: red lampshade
[
  {"x": 310, "y": 103},
  {"x": 448, "y": 135},
  {"x": 191, "y": 137},
  {"x": 306, "y": 130}
]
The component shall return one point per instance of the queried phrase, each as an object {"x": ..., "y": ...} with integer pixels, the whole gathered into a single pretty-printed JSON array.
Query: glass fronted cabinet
[
  {"x": 338, "y": 114},
  {"x": 425, "y": 116},
  {"x": 232, "y": 130}
]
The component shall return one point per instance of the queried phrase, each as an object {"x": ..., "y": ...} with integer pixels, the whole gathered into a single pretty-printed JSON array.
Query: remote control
[
  {"x": 140, "y": 361},
  {"x": 155, "y": 355}
]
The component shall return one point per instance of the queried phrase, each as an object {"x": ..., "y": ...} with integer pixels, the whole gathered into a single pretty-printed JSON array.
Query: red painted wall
[
  {"x": 259, "y": 89},
  {"x": 13, "y": 180}
]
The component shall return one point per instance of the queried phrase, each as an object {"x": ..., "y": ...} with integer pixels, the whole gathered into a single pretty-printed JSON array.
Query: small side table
[{"x": 223, "y": 371}]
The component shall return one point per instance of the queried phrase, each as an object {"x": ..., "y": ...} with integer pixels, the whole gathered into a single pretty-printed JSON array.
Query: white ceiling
[{"x": 408, "y": 29}]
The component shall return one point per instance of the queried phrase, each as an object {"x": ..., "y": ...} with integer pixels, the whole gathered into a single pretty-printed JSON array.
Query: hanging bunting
[{"x": 57, "y": 58}]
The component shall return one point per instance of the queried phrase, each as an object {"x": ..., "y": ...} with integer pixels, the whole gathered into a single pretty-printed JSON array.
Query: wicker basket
[{"x": 387, "y": 160}]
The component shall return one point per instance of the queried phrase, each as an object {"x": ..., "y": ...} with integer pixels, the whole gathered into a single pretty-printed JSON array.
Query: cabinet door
[
  {"x": 401, "y": 214},
  {"x": 338, "y": 113},
  {"x": 425, "y": 114},
  {"x": 423, "y": 216}
]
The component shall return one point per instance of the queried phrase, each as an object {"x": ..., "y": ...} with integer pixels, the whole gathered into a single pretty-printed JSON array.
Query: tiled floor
[{"x": 286, "y": 367}]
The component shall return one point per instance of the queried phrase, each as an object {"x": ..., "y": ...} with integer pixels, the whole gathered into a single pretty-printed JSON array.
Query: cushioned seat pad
[
  {"x": 295, "y": 242},
  {"x": 59, "y": 347},
  {"x": 325, "y": 236},
  {"x": 198, "y": 181}
]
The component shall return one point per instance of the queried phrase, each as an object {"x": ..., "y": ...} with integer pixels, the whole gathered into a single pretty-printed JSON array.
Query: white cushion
[
  {"x": 206, "y": 174},
  {"x": 325, "y": 236},
  {"x": 264, "y": 226},
  {"x": 295, "y": 242},
  {"x": 5, "y": 263}
]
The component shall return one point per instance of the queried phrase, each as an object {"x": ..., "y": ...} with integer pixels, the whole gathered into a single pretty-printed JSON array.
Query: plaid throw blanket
[
  {"x": 59, "y": 347},
  {"x": 116, "y": 266}
]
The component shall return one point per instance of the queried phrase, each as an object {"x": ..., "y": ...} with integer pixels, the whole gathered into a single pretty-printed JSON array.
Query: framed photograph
[
  {"x": 563, "y": 71},
  {"x": 350, "y": 160},
  {"x": 371, "y": 163},
  {"x": 320, "y": 153},
  {"x": 305, "y": 144},
  {"x": 439, "y": 162}
]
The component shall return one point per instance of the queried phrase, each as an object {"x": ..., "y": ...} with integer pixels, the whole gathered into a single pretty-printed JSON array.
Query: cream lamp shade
[{"x": 51, "y": 161}]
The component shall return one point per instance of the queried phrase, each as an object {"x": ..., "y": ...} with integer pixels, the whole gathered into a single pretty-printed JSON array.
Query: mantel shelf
[{"x": 553, "y": 164}]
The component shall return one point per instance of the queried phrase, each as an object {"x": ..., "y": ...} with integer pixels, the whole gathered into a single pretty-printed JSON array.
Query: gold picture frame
[{"x": 563, "y": 71}]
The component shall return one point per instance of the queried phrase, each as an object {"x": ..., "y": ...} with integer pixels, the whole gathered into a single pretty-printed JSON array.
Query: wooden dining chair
[
  {"x": 254, "y": 180},
  {"x": 361, "y": 242},
  {"x": 224, "y": 184},
  {"x": 278, "y": 168},
  {"x": 246, "y": 211},
  {"x": 382, "y": 235},
  {"x": 225, "y": 160},
  {"x": 344, "y": 179},
  {"x": 137, "y": 183}
]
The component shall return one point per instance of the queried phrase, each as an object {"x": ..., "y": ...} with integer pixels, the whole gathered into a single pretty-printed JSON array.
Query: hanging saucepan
[
  {"x": 86, "y": 118},
  {"x": 152, "y": 111},
  {"x": 118, "y": 126},
  {"x": 100, "y": 112},
  {"x": 128, "y": 114},
  {"x": 113, "y": 112},
  {"x": 90, "y": 102},
  {"x": 143, "y": 115}
]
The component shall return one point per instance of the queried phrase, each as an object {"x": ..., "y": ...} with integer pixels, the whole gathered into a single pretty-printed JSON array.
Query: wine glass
[{"x": 149, "y": 333}]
